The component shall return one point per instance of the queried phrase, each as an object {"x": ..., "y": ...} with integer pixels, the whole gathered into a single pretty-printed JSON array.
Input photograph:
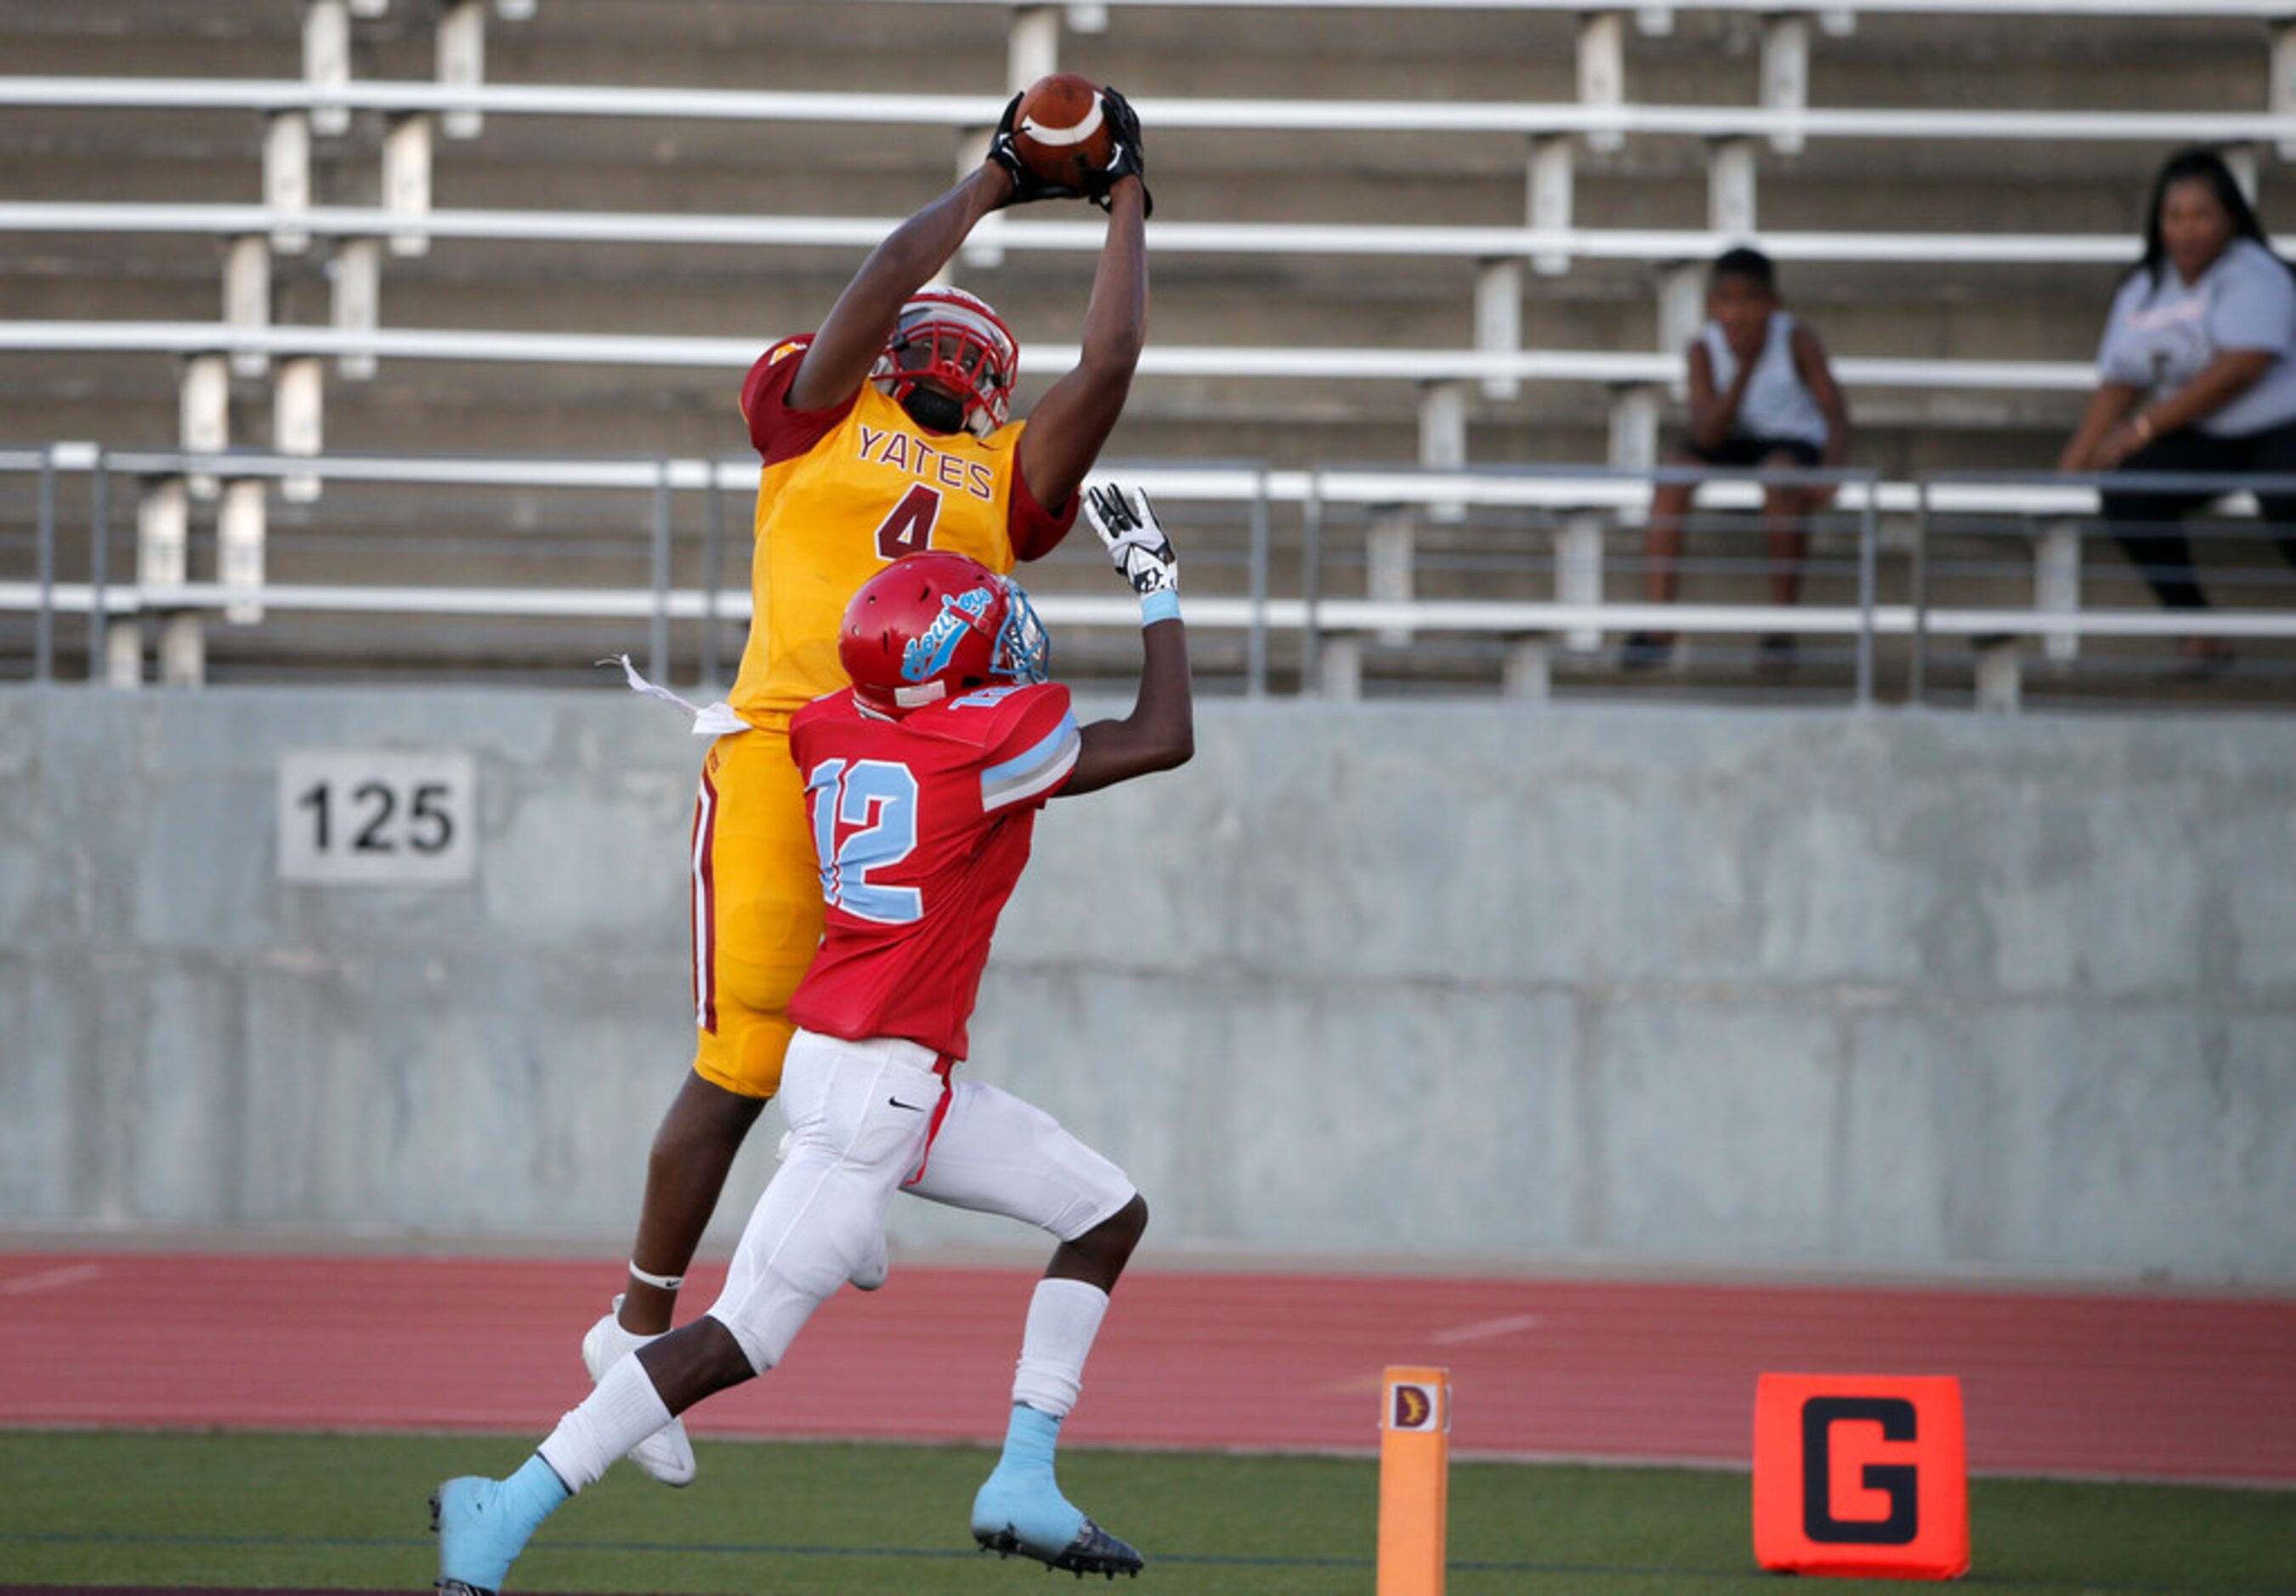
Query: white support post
[
  {"x": 204, "y": 423},
  {"x": 1730, "y": 187},
  {"x": 1498, "y": 320},
  {"x": 1785, "y": 74},
  {"x": 2000, "y": 677},
  {"x": 2057, "y": 584},
  {"x": 1602, "y": 69},
  {"x": 287, "y": 179},
  {"x": 1088, "y": 16},
  {"x": 1634, "y": 428},
  {"x": 183, "y": 650},
  {"x": 1443, "y": 438},
  {"x": 163, "y": 517},
  {"x": 2240, "y": 160},
  {"x": 123, "y": 653},
  {"x": 297, "y": 420},
  {"x": 247, "y": 298},
  {"x": 357, "y": 298},
  {"x": 1529, "y": 672},
  {"x": 1681, "y": 306},
  {"x": 1549, "y": 196},
  {"x": 1338, "y": 671},
  {"x": 238, "y": 551},
  {"x": 1033, "y": 48},
  {"x": 462, "y": 62},
  {"x": 984, "y": 246},
  {"x": 406, "y": 181},
  {"x": 327, "y": 60},
  {"x": 2283, "y": 101},
  {"x": 1388, "y": 548},
  {"x": 1578, "y": 574}
]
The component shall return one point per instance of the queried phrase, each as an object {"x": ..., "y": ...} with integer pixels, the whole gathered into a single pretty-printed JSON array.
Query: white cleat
[{"x": 665, "y": 1454}]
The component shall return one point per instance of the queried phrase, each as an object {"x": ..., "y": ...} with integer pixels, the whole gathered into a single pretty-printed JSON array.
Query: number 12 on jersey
[{"x": 879, "y": 797}]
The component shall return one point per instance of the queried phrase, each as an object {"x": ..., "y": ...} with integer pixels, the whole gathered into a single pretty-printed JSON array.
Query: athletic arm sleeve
[
  {"x": 1034, "y": 531},
  {"x": 778, "y": 432},
  {"x": 1033, "y": 749}
]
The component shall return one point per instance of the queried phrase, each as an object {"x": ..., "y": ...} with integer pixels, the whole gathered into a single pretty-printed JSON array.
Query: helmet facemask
[{"x": 951, "y": 361}]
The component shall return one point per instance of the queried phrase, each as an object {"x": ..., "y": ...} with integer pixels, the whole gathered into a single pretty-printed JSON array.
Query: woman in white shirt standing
[{"x": 2194, "y": 374}]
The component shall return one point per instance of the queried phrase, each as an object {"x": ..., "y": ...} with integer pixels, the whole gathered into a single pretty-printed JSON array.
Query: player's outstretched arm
[
  {"x": 858, "y": 326},
  {"x": 1073, "y": 420},
  {"x": 1160, "y": 731}
]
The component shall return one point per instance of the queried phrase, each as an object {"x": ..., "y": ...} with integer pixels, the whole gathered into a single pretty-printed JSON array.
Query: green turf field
[{"x": 324, "y": 1510}]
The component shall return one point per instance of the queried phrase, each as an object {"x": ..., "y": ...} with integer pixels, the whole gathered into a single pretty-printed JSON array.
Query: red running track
[{"x": 2172, "y": 1386}]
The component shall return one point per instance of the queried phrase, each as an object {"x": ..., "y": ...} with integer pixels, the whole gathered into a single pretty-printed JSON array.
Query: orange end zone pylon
[
  {"x": 1414, "y": 1480},
  {"x": 1860, "y": 1476}
]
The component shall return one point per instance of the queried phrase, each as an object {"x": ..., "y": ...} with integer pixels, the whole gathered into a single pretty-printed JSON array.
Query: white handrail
[
  {"x": 1018, "y": 234},
  {"x": 734, "y": 354},
  {"x": 1558, "y": 488},
  {"x": 1484, "y": 616},
  {"x": 1302, "y": 116},
  {"x": 2139, "y": 9}
]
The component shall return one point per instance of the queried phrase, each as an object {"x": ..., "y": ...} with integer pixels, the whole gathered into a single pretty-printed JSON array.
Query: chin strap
[{"x": 936, "y": 411}]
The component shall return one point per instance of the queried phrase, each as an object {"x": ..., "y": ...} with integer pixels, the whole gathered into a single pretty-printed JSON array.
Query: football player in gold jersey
[{"x": 884, "y": 432}]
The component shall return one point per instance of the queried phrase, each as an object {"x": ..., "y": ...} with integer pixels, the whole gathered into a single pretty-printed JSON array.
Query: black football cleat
[{"x": 1093, "y": 1552}]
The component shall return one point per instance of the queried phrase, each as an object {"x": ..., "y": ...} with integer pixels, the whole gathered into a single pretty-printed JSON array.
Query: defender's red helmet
[
  {"x": 955, "y": 338},
  {"x": 936, "y": 623}
]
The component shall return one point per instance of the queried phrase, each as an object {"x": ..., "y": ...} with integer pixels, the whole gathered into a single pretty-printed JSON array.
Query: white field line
[
  {"x": 50, "y": 1280},
  {"x": 1485, "y": 1329}
]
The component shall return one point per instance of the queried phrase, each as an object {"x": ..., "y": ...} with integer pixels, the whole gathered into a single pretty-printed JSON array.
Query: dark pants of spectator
[{"x": 2146, "y": 523}]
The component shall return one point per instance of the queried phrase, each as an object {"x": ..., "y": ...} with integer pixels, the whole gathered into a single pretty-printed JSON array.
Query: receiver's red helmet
[
  {"x": 956, "y": 340},
  {"x": 932, "y": 624}
]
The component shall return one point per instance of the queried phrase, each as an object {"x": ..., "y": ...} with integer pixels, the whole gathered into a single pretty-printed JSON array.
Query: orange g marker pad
[
  {"x": 1414, "y": 1480},
  {"x": 1860, "y": 1476}
]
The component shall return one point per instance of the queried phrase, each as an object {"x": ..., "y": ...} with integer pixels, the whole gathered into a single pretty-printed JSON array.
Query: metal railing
[
  {"x": 1538, "y": 569},
  {"x": 960, "y": 112}
]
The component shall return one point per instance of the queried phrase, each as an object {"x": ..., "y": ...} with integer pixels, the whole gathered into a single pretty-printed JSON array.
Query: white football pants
[{"x": 859, "y": 1113}]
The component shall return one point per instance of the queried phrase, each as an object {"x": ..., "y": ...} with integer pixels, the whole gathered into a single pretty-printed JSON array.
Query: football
[{"x": 1061, "y": 131}]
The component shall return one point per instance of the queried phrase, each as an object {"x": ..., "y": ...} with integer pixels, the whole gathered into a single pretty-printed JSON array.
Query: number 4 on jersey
[{"x": 908, "y": 530}]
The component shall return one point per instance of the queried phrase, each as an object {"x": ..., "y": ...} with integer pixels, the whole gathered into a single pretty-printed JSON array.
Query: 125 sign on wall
[{"x": 382, "y": 817}]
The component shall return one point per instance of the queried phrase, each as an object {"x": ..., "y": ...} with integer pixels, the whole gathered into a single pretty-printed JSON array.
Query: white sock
[
  {"x": 622, "y": 1412},
  {"x": 1063, "y": 1318}
]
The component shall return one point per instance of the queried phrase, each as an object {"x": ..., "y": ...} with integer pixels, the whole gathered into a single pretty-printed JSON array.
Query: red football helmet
[
  {"x": 956, "y": 340},
  {"x": 935, "y": 624}
]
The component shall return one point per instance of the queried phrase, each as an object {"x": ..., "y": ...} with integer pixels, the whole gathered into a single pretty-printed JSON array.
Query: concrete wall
[{"x": 1773, "y": 988}]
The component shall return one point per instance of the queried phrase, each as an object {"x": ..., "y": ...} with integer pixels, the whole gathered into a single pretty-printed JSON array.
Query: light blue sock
[
  {"x": 530, "y": 1495},
  {"x": 1030, "y": 1438}
]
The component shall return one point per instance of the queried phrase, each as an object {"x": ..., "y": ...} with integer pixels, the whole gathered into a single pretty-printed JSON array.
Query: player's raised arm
[
  {"x": 1076, "y": 415},
  {"x": 855, "y": 331},
  {"x": 1160, "y": 731}
]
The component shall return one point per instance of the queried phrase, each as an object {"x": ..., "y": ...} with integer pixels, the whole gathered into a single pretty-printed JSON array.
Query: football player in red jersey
[
  {"x": 923, "y": 781},
  {"x": 886, "y": 431}
]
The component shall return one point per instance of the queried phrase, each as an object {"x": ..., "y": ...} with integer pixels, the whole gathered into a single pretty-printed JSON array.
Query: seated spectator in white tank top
[
  {"x": 2194, "y": 374},
  {"x": 1761, "y": 394}
]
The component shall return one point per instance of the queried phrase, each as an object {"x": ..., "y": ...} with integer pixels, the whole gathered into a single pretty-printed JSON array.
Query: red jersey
[{"x": 921, "y": 826}]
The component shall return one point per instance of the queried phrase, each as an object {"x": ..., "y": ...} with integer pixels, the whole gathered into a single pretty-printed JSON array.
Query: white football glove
[{"x": 1126, "y": 527}]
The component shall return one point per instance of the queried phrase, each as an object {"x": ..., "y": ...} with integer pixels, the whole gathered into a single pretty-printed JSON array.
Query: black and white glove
[
  {"x": 1026, "y": 186},
  {"x": 1126, "y": 524},
  {"x": 1129, "y": 158}
]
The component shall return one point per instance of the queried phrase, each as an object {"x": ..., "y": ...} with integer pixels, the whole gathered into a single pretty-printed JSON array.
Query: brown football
[{"x": 1061, "y": 131}]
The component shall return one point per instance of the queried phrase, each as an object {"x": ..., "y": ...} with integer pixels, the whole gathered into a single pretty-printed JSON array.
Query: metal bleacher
[{"x": 1445, "y": 235}]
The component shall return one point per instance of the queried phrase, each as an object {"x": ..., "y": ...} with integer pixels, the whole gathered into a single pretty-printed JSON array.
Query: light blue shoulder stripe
[{"x": 1029, "y": 772}]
